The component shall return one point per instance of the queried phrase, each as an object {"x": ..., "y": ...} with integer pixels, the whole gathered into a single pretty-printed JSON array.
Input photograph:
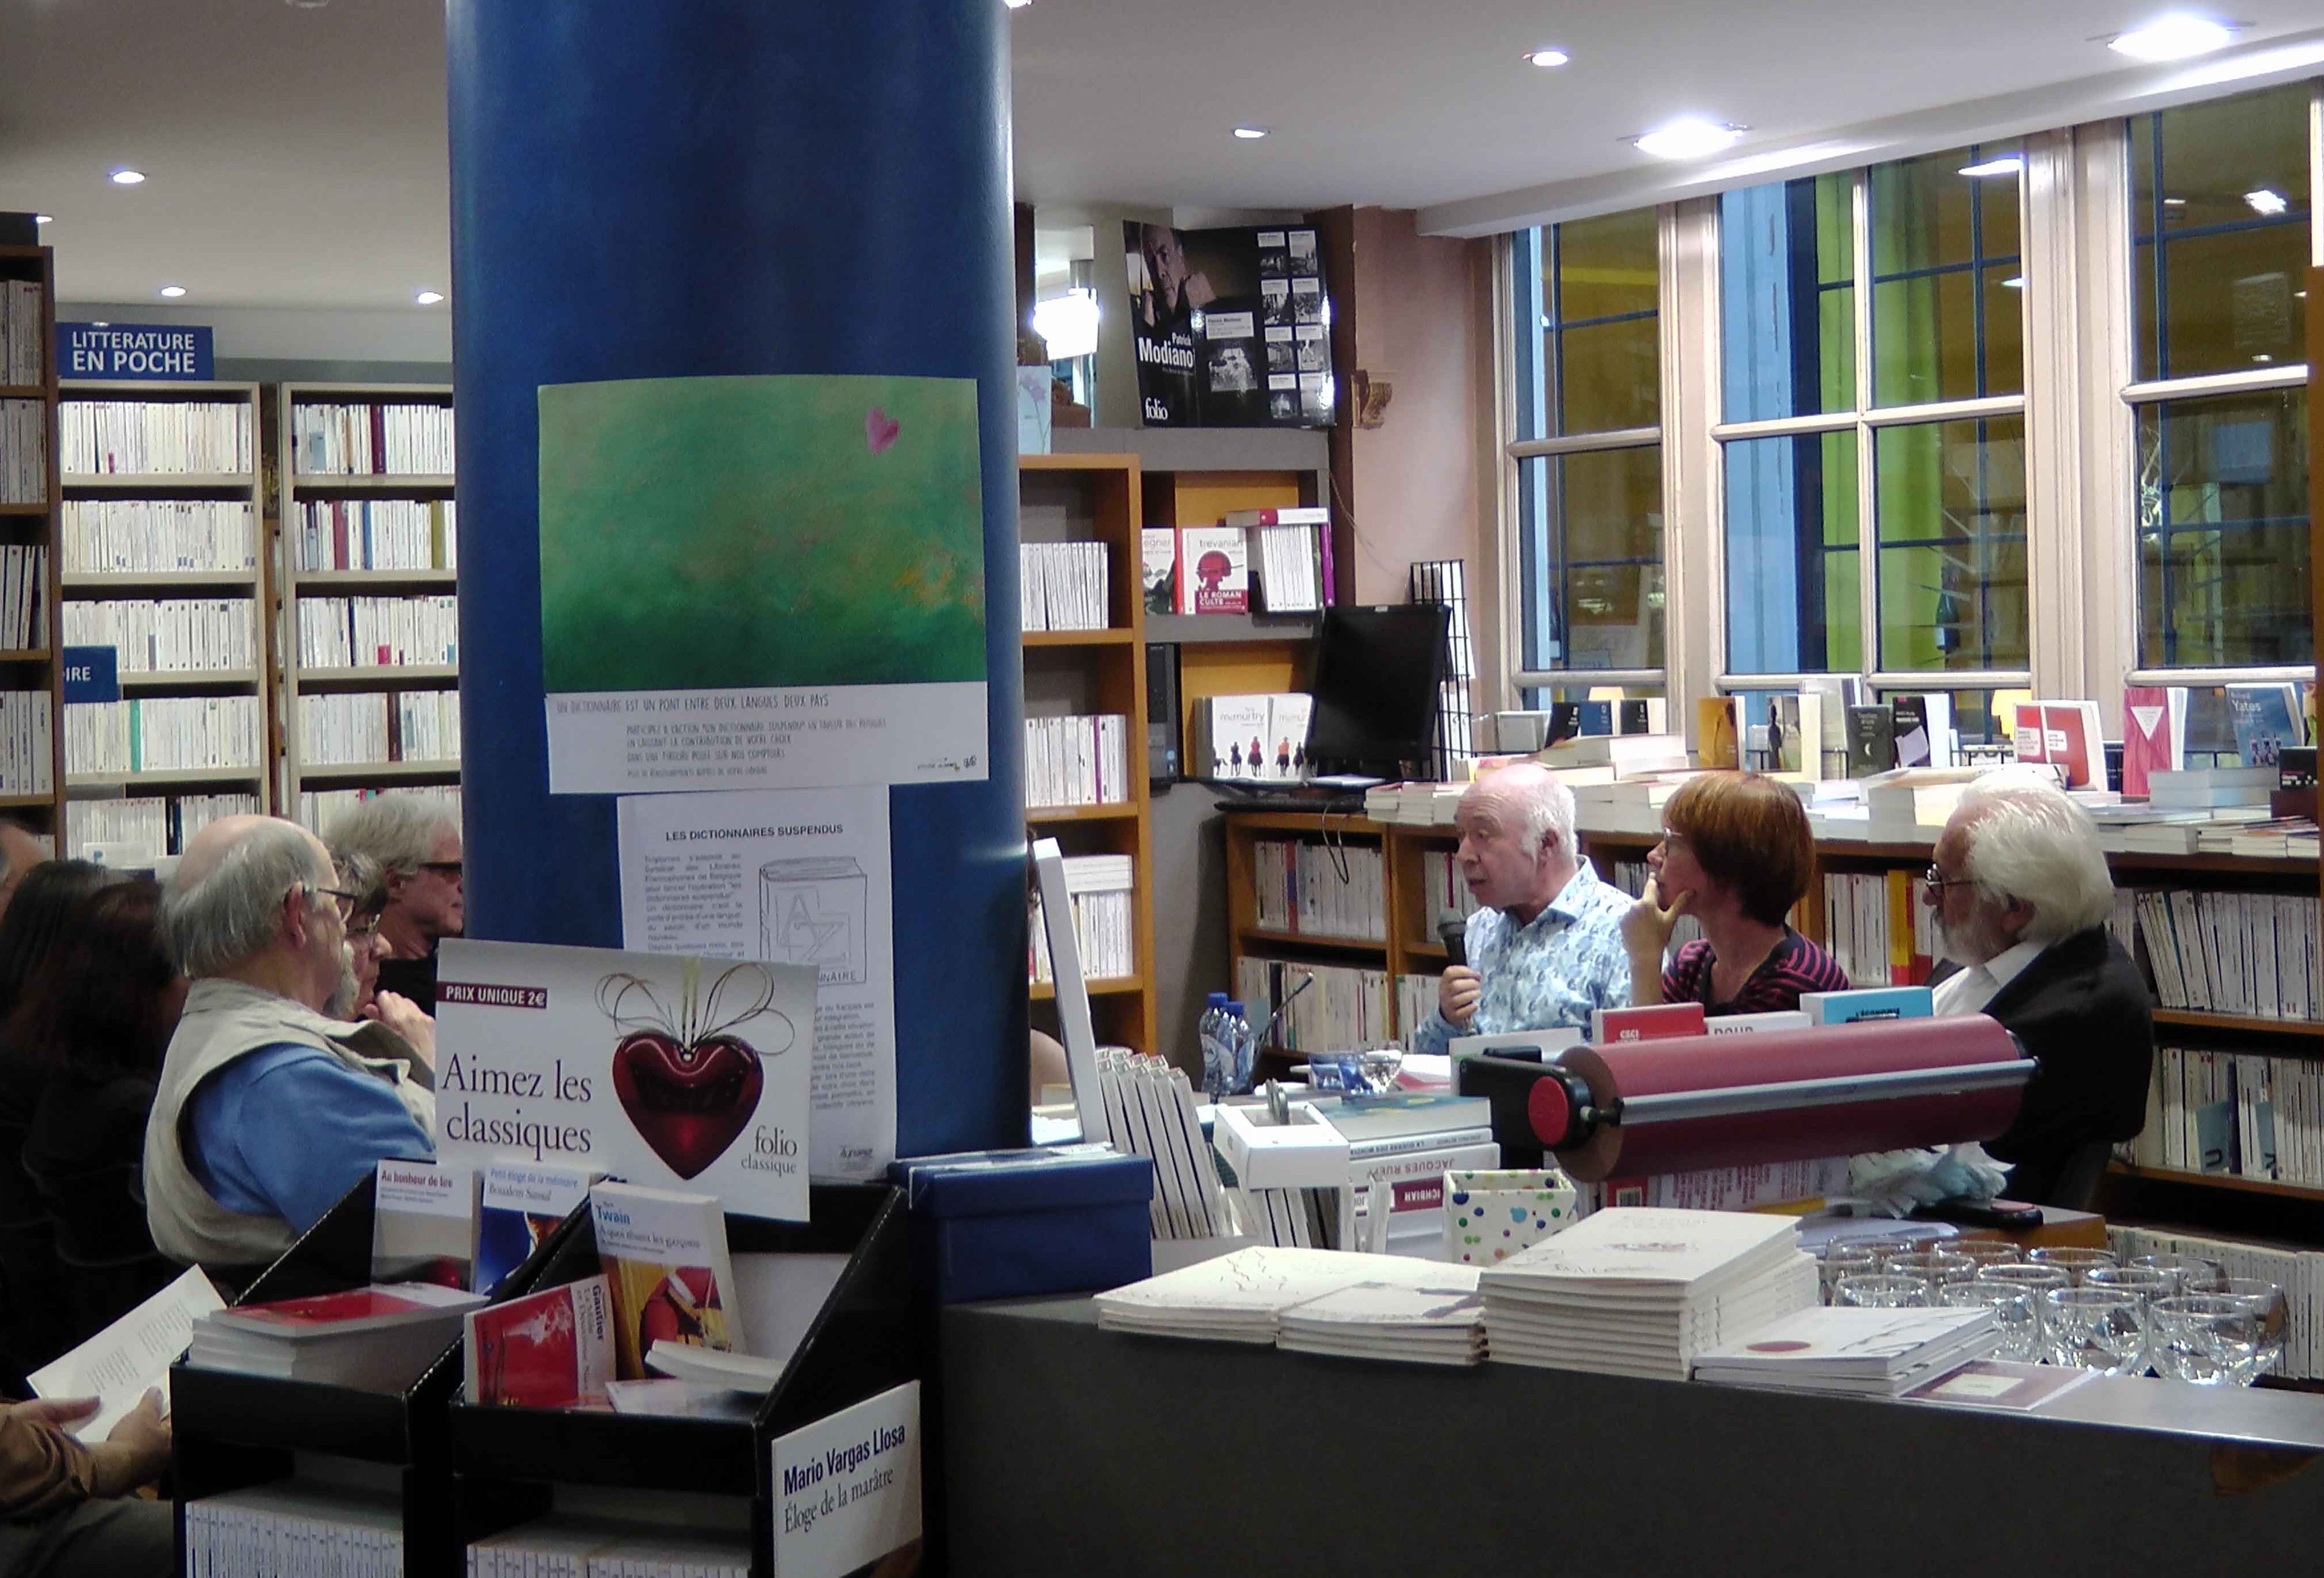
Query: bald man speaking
[{"x": 1546, "y": 945}]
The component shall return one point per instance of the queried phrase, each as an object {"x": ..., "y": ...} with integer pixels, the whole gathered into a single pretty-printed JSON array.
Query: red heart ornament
[{"x": 688, "y": 1103}]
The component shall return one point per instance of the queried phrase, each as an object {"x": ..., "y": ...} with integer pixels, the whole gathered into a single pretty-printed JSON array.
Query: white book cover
[
  {"x": 120, "y": 1363},
  {"x": 1238, "y": 733},
  {"x": 424, "y": 1223},
  {"x": 1287, "y": 716},
  {"x": 1446, "y": 1300},
  {"x": 666, "y": 1256},
  {"x": 1844, "y": 1341},
  {"x": 1651, "y": 1246},
  {"x": 1259, "y": 1282}
]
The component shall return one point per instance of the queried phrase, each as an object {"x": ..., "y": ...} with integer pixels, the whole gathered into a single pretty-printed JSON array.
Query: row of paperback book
[
  {"x": 2252, "y": 954},
  {"x": 365, "y": 439},
  {"x": 155, "y": 824},
  {"x": 376, "y": 534},
  {"x": 349, "y": 728},
  {"x": 154, "y": 636},
  {"x": 295, "y": 1528},
  {"x": 367, "y": 632},
  {"x": 24, "y": 334},
  {"x": 1209, "y": 570},
  {"x": 2241, "y": 1114},
  {"x": 1441, "y": 884},
  {"x": 319, "y": 809},
  {"x": 1100, "y": 889},
  {"x": 1337, "y": 890},
  {"x": 1062, "y": 586},
  {"x": 24, "y": 452},
  {"x": 1077, "y": 761},
  {"x": 1338, "y": 1008},
  {"x": 1876, "y": 929},
  {"x": 1257, "y": 737},
  {"x": 128, "y": 438},
  {"x": 2299, "y": 1272},
  {"x": 157, "y": 535},
  {"x": 586, "y": 1547},
  {"x": 153, "y": 733},
  {"x": 24, "y": 597},
  {"x": 26, "y": 744}
]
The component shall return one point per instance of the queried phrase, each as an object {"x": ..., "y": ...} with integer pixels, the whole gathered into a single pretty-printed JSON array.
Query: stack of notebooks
[
  {"x": 377, "y": 1339},
  {"x": 1865, "y": 1352},
  {"x": 1315, "y": 1301},
  {"x": 1439, "y": 1320},
  {"x": 1643, "y": 1291}
]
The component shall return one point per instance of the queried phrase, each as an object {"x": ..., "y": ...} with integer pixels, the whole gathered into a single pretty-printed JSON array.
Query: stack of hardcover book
[{"x": 1866, "y": 1352}]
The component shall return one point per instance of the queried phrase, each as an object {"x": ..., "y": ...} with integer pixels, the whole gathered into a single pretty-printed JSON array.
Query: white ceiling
[{"x": 297, "y": 152}]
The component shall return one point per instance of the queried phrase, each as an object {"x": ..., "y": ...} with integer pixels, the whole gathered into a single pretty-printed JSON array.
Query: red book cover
[
  {"x": 2031, "y": 744},
  {"x": 1660, "y": 1021},
  {"x": 359, "y": 1309},
  {"x": 2146, "y": 735},
  {"x": 548, "y": 1349},
  {"x": 2069, "y": 731}
]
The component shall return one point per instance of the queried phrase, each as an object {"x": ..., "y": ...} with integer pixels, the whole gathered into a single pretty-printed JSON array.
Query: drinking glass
[
  {"x": 2266, "y": 1301},
  {"x": 1985, "y": 1252},
  {"x": 2035, "y": 1280},
  {"x": 1839, "y": 1261},
  {"x": 1930, "y": 1266},
  {"x": 2072, "y": 1259},
  {"x": 1882, "y": 1293},
  {"x": 2016, "y": 1312},
  {"x": 2206, "y": 1339},
  {"x": 2096, "y": 1328},
  {"x": 2191, "y": 1273},
  {"x": 1954, "y": 1291},
  {"x": 2145, "y": 1282}
]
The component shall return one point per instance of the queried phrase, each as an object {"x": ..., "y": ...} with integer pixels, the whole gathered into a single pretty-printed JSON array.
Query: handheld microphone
[{"x": 1453, "y": 931}]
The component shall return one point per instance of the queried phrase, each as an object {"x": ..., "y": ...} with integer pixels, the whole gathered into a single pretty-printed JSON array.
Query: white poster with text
[
  {"x": 794, "y": 877},
  {"x": 847, "y": 1487}
]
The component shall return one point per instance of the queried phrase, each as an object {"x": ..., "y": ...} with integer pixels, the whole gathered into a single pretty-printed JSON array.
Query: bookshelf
[
  {"x": 368, "y": 549},
  {"x": 166, "y": 563},
  {"x": 1094, "y": 673},
  {"x": 35, "y": 791}
]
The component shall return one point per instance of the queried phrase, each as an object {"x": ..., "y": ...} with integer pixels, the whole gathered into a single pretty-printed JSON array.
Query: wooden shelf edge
[
  {"x": 1106, "y": 986},
  {"x": 160, "y": 482},
  {"x": 1300, "y": 939},
  {"x": 431, "y": 768},
  {"x": 105, "y": 780},
  {"x": 2216, "y": 1181},
  {"x": 2198, "y": 1020},
  {"x": 1057, "y": 462},
  {"x": 1112, "y": 636},
  {"x": 158, "y": 580},
  {"x": 380, "y": 676},
  {"x": 1112, "y": 811},
  {"x": 371, "y": 482}
]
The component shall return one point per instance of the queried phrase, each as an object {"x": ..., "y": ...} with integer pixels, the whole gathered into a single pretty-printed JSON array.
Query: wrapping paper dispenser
[{"x": 1647, "y": 1108}]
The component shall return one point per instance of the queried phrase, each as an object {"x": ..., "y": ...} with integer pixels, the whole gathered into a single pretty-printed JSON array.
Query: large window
[
  {"x": 1935, "y": 460},
  {"x": 2221, "y": 234},
  {"x": 1588, "y": 447}
]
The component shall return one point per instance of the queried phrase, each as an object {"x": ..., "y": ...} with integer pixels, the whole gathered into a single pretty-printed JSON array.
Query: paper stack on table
[
  {"x": 1239, "y": 1297},
  {"x": 1642, "y": 1290},
  {"x": 1869, "y": 1353},
  {"x": 1438, "y": 1319}
]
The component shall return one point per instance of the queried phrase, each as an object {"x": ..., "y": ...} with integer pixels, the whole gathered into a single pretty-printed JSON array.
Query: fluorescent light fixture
[
  {"x": 44, "y": 218},
  {"x": 1250, "y": 133},
  {"x": 2008, "y": 164},
  {"x": 1547, "y": 58},
  {"x": 428, "y": 298},
  {"x": 1690, "y": 137},
  {"x": 2015, "y": 282},
  {"x": 2175, "y": 37},
  {"x": 1067, "y": 324},
  {"x": 173, "y": 292},
  {"x": 127, "y": 176},
  {"x": 2267, "y": 202},
  {"x": 1018, "y": 4},
  {"x": 2174, "y": 202}
]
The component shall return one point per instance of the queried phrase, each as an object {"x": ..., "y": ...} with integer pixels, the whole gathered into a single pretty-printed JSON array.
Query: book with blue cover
[
  {"x": 1872, "y": 1002},
  {"x": 2266, "y": 718},
  {"x": 523, "y": 1202}
]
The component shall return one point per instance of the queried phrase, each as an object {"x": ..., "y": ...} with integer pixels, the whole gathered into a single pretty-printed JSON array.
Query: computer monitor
[{"x": 1378, "y": 672}]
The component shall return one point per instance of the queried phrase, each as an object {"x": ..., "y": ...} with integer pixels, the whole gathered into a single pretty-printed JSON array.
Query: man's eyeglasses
[
  {"x": 345, "y": 900},
  {"x": 1936, "y": 881}
]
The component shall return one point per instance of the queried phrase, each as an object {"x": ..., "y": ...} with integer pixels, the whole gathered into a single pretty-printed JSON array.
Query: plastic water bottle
[
  {"x": 1246, "y": 1047},
  {"x": 1218, "y": 1048}
]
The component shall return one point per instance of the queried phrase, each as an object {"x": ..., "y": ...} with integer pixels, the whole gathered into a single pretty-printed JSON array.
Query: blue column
[{"x": 686, "y": 187}]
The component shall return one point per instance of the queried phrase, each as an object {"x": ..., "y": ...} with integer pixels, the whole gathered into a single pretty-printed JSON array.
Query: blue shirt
[
  {"x": 286, "y": 1130},
  {"x": 1549, "y": 972}
]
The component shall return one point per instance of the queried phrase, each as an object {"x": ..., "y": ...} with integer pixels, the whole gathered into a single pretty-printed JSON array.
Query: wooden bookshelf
[
  {"x": 87, "y": 582},
  {"x": 1097, "y": 497},
  {"x": 34, "y": 523},
  {"x": 301, "y": 487}
]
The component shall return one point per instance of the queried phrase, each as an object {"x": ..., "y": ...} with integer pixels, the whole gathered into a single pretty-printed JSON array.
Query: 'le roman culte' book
[
  {"x": 424, "y": 1224},
  {"x": 523, "y": 1202},
  {"x": 664, "y": 1255},
  {"x": 553, "y": 1349}
]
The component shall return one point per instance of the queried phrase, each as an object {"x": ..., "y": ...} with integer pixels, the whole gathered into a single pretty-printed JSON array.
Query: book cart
[{"x": 502, "y": 1462}]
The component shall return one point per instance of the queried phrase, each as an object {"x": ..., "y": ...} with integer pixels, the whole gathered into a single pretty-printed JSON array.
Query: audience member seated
[
  {"x": 21, "y": 849},
  {"x": 414, "y": 841},
  {"x": 2021, "y": 894},
  {"x": 1545, "y": 945},
  {"x": 34, "y": 1326},
  {"x": 270, "y": 1103},
  {"x": 66, "y": 1511},
  {"x": 1736, "y": 853},
  {"x": 99, "y": 1015},
  {"x": 360, "y": 875}
]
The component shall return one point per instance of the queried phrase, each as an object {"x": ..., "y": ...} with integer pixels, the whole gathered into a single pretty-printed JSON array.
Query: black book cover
[{"x": 1871, "y": 740}]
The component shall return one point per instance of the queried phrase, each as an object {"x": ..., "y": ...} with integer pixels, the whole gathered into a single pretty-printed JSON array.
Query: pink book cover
[
  {"x": 2028, "y": 738},
  {"x": 2066, "y": 732},
  {"x": 1658, "y": 1023},
  {"x": 2145, "y": 737},
  {"x": 358, "y": 1309}
]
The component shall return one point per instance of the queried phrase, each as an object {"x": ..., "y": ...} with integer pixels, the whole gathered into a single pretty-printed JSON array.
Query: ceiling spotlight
[
  {"x": 2174, "y": 202},
  {"x": 173, "y": 292},
  {"x": 44, "y": 218},
  {"x": 1250, "y": 133},
  {"x": 1547, "y": 58},
  {"x": 2008, "y": 164},
  {"x": 2262, "y": 356},
  {"x": 1690, "y": 137},
  {"x": 127, "y": 176},
  {"x": 2266, "y": 203},
  {"x": 2015, "y": 282},
  {"x": 2176, "y": 36},
  {"x": 428, "y": 298},
  {"x": 1018, "y": 4}
]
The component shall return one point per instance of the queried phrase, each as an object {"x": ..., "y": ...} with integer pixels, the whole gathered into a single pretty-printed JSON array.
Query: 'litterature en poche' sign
[
  {"x": 92, "y": 674},
  {"x": 134, "y": 350}
]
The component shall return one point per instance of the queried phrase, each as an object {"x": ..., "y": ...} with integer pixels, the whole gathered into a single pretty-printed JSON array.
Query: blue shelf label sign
[
  {"x": 178, "y": 351},
  {"x": 92, "y": 674}
]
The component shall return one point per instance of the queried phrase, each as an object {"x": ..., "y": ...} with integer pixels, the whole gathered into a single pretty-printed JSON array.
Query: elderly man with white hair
[
  {"x": 1544, "y": 946},
  {"x": 270, "y": 1104},
  {"x": 2021, "y": 894}
]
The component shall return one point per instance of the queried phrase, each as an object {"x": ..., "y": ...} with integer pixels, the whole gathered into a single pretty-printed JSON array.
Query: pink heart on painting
[{"x": 880, "y": 430}]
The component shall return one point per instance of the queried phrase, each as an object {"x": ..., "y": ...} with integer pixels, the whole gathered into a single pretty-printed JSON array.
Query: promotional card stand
[
  {"x": 863, "y": 1343},
  {"x": 233, "y": 1431}
]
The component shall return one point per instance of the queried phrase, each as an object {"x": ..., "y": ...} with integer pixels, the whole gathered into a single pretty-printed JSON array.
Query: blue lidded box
[{"x": 1011, "y": 1224}]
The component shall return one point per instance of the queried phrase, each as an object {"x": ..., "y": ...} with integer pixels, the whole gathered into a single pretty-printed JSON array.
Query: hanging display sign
[{"x": 179, "y": 352}]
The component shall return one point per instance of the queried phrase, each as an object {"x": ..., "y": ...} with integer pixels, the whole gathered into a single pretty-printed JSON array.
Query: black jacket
[{"x": 2082, "y": 1009}]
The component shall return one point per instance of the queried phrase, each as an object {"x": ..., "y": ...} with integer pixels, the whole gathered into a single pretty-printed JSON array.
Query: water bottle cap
[
  {"x": 1218, "y": 1000},
  {"x": 1234, "y": 1007}
]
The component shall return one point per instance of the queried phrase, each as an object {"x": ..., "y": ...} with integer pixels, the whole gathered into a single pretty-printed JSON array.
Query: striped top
[{"x": 1792, "y": 967}]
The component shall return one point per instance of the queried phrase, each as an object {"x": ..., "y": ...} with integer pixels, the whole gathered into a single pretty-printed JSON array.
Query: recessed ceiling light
[
  {"x": 2176, "y": 36},
  {"x": 2174, "y": 202},
  {"x": 44, "y": 218},
  {"x": 2266, "y": 203},
  {"x": 2262, "y": 356},
  {"x": 2008, "y": 164},
  {"x": 1018, "y": 4},
  {"x": 173, "y": 292},
  {"x": 2015, "y": 282},
  {"x": 127, "y": 176},
  {"x": 428, "y": 298},
  {"x": 1250, "y": 133},
  {"x": 1690, "y": 137},
  {"x": 1547, "y": 58}
]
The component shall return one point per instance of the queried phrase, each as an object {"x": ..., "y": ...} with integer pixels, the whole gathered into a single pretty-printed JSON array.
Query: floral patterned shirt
[{"x": 1552, "y": 971}]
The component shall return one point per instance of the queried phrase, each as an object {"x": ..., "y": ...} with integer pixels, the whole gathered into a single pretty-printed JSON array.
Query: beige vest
[{"x": 225, "y": 1021}]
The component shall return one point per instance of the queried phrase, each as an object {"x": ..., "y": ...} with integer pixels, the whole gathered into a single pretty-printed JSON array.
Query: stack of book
[
  {"x": 375, "y": 1339},
  {"x": 583, "y": 1547},
  {"x": 1862, "y": 1353},
  {"x": 1337, "y": 892},
  {"x": 1439, "y": 1320},
  {"x": 1604, "y": 759},
  {"x": 296, "y": 1530},
  {"x": 145, "y": 535},
  {"x": 1242, "y": 1297},
  {"x": 1062, "y": 586},
  {"x": 1079, "y": 761},
  {"x": 1643, "y": 1291},
  {"x": 1414, "y": 805}
]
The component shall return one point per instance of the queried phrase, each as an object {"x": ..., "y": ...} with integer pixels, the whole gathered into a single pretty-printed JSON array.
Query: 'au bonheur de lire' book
[
  {"x": 424, "y": 1224},
  {"x": 665, "y": 1255}
]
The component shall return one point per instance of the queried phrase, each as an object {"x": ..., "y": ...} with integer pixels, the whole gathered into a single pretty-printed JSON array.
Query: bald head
[
  {"x": 1517, "y": 838},
  {"x": 246, "y": 901},
  {"x": 209, "y": 848}
]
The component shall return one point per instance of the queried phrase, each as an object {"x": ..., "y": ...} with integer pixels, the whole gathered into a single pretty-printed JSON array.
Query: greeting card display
[{"x": 662, "y": 1070}]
